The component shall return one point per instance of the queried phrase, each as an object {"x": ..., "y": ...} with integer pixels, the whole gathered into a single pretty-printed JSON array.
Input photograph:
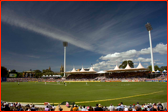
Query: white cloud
[
  {"x": 144, "y": 51},
  {"x": 159, "y": 63},
  {"x": 12, "y": 18},
  {"x": 141, "y": 59},
  {"x": 135, "y": 63},
  {"x": 109, "y": 60},
  {"x": 160, "y": 48}
]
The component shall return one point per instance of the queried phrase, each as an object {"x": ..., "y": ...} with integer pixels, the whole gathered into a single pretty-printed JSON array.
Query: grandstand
[{"x": 128, "y": 72}]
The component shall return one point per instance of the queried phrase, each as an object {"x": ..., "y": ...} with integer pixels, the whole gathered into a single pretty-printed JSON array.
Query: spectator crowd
[{"x": 98, "y": 107}]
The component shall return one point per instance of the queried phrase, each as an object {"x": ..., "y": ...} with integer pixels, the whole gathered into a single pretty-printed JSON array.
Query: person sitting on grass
[
  {"x": 122, "y": 106},
  {"x": 111, "y": 108},
  {"x": 47, "y": 109},
  {"x": 84, "y": 109},
  {"x": 90, "y": 108},
  {"x": 60, "y": 109},
  {"x": 75, "y": 108},
  {"x": 97, "y": 108},
  {"x": 33, "y": 108},
  {"x": 154, "y": 107},
  {"x": 119, "y": 108},
  {"x": 80, "y": 107},
  {"x": 137, "y": 108},
  {"x": 52, "y": 108},
  {"x": 6, "y": 107},
  {"x": 159, "y": 107},
  {"x": 67, "y": 104},
  {"x": 105, "y": 108}
]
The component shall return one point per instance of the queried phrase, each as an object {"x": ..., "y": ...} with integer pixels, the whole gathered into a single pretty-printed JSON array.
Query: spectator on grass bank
[
  {"x": 154, "y": 108},
  {"x": 47, "y": 108},
  {"x": 133, "y": 106},
  {"x": 122, "y": 106},
  {"x": 6, "y": 107},
  {"x": 75, "y": 108},
  {"x": 27, "y": 105},
  {"x": 137, "y": 105},
  {"x": 159, "y": 107},
  {"x": 67, "y": 104},
  {"x": 52, "y": 108},
  {"x": 111, "y": 108},
  {"x": 87, "y": 107},
  {"x": 98, "y": 108},
  {"x": 90, "y": 108},
  {"x": 80, "y": 107},
  {"x": 84, "y": 109},
  {"x": 119, "y": 107},
  {"x": 105, "y": 108},
  {"x": 60, "y": 109},
  {"x": 137, "y": 108},
  {"x": 33, "y": 108}
]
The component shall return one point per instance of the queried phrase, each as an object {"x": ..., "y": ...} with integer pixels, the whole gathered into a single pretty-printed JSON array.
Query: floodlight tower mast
[
  {"x": 65, "y": 44},
  {"x": 149, "y": 28}
]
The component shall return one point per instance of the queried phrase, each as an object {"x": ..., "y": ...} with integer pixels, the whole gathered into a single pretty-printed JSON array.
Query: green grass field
[{"x": 104, "y": 93}]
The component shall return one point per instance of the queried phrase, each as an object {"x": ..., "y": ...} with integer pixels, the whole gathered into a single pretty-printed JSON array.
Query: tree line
[{"x": 38, "y": 73}]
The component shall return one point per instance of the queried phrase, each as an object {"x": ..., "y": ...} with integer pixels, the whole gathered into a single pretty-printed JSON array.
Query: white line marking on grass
[
  {"x": 102, "y": 100},
  {"x": 119, "y": 98}
]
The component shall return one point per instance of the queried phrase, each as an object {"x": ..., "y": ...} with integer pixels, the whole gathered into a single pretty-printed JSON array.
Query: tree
[
  {"x": 20, "y": 74},
  {"x": 62, "y": 74},
  {"x": 46, "y": 70},
  {"x": 155, "y": 67},
  {"x": 4, "y": 72},
  {"x": 163, "y": 68},
  {"x": 38, "y": 73},
  {"x": 124, "y": 64},
  {"x": 13, "y": 71}
]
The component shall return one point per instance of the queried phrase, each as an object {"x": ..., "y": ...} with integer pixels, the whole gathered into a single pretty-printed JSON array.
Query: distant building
[
  {"x": 49, "y": 68},
  {"x": 28, "y": 74},
  {"x": 62, "y": 69}
]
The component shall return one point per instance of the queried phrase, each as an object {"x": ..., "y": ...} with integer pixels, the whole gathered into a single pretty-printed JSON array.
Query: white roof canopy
[
  {"x": 73, "y": 70},
  {"x": 82, "y": 70},
  {"x": 140, "y": 66},
  {"x": 164, "y": 71},
  {"x": 91, "y": 69},
  {"x": 127, "y": 67},
  {"x": 116, "y": 68}
]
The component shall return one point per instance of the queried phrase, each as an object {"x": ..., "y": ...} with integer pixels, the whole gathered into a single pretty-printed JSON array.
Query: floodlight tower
[
  {"x": 149, "y": 28},
  {"x": 65, "y": 44}
]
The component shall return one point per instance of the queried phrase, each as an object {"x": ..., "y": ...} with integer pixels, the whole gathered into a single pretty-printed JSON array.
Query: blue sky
[{"x": 100, "y": 33}]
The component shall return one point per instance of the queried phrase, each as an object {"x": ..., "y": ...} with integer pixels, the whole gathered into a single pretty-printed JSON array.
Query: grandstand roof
[
  {"x": 140, "y": 66},
  {"x": 82, "y": 70},
  {"x": 157, "y": 71},
  {"x": 164, "y": 71},
  {"x": 127, "y": 67},
  {"x": 116, "y": 68},
  {"x": 73, "y": 70},
  {"x": 91, "y": 69}
]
